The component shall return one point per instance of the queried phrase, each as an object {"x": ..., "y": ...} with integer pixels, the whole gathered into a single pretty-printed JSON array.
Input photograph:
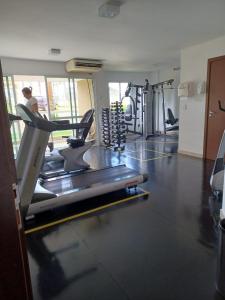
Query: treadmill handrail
[
  {"x": 14, "y": 117},
  {"x": 70, "y": 126},
  {"x": 34, "y": 120}
]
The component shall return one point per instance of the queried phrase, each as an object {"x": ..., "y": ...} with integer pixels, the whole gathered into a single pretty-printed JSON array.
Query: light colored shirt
[{"x": 31, "y": 102}]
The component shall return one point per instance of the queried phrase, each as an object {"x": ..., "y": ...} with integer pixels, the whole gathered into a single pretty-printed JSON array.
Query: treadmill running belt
[{"x": 88, "y": 179}]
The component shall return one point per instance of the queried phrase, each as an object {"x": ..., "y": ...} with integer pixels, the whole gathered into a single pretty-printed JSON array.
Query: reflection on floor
[{"x": 162, "y": 248}]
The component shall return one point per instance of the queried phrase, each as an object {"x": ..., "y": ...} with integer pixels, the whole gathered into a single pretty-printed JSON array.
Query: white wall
[
  {"x": 192, "y": 110},
  {"x": 16, "y": 66}
]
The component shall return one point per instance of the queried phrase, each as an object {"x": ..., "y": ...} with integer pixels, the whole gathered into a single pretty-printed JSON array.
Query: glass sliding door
[
  {"x": 18, "y": 126},
  {"x": 117, "y": 91},
  {"x": 114, "y": 92},
  {"x": 84, "y": 99},
  {"x": 73, "y": 100},
  {"x": 84, "y": 95},
  {"x": 37, "y": 84},
  {"x": 60, "y": 105},
  {"x": 123, "y": 87},
  {"x": 58, "y": 98}
]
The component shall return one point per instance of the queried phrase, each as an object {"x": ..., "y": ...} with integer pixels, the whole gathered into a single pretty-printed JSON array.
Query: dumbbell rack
[
  {"x": 106, "y": 127},
  {"x": 118, "y": 126},
  {"x": 113, "y": 127}
]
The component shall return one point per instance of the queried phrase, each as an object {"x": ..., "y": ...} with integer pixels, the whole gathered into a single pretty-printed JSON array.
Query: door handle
[{"x": 212, "y": 114}]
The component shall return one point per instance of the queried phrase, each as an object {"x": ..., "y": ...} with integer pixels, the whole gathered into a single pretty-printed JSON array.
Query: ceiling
[{"x": 148, "y": 34}]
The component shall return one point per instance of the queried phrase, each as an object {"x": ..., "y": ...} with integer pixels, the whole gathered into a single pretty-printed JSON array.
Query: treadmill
[
  {"x": 13, "y": 118},
  {"x": 36, "y": 198}
]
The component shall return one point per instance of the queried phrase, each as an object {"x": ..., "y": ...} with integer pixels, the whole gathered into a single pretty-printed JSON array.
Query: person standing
[{"x": 32, "y": 103}]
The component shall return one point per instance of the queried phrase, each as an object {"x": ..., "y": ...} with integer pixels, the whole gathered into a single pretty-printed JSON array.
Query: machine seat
[
  {"x": 79, "y": 139},
  {"x": 171, "y": 119},
  {"x": 75, "y": 143}
]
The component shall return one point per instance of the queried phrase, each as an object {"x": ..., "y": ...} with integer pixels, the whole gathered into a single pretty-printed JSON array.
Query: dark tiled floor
[{"x": 160, "y": 248}]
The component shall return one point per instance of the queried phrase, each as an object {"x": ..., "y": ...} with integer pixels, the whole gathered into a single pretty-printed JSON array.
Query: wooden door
[
  {"x": 14, "y": 271},
  {"x": 215, "y": 119}
]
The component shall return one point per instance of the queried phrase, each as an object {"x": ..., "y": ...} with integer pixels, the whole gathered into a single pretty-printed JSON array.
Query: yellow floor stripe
[
  {"x": 163, "y": 153},
  {"x": 161, "y": 142},
  {"x": 145, "y": 193},
  {"x": 155, "y": 158},
  {"x": 145, "y": 160},
  {"x": 149, "y": 150},
  {"x": 134, "y": 151}
]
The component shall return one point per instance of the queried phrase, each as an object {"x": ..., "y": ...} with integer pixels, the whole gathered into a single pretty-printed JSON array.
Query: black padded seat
[
  {"x": 81, "y": 134},
  {"x": 171, "y": 119},
  {"x": 75, "y": 143}
]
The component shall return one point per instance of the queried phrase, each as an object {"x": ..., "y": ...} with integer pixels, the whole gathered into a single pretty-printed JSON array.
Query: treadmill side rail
[
  {"x": 69, "y": 198},
  {"x": 31, "y": 167}
]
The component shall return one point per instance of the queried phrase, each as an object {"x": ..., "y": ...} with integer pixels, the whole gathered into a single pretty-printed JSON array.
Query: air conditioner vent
[
  {"x": 83, "y": 65},
  {"x": 92, "y": 65}
]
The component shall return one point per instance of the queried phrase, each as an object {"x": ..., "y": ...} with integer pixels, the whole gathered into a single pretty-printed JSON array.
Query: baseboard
[{"x": 197, "y": 155}]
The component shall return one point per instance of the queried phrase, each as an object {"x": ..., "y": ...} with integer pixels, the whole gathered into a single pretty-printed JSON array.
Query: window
[
  {"x": 18, "y": 126},
  {"x": 60, "y": 106},
  {"x": 58, "y": 99},
  {"x": 117, "y": 90},
  {"x": 84, "y": 95},
  {"x": 84, "y": 100}
]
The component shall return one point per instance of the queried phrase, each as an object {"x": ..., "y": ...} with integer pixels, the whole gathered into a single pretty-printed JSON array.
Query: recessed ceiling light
[{"x": 110, "y": 9}]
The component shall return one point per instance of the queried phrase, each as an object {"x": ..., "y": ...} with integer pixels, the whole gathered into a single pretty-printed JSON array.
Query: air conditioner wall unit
[{"x": 83, "y": 65}]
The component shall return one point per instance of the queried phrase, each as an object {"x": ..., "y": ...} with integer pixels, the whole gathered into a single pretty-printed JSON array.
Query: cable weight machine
[
  {"x": 133, "y": 103},
  {"x": 150, "y": 109}
]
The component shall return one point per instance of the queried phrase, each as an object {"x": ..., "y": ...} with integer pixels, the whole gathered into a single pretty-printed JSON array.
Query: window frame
[
  {"x": 72, "y": 97},
  {"x": 119, "y": 82}
]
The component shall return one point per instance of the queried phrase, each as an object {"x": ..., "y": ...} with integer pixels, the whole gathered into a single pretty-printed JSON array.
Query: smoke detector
[
  {"x": 110, "y": 9},
  {"x": 55, "y": 51}
]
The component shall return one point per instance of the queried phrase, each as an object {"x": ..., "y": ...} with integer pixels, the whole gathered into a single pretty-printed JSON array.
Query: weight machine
[
  {"x": 133, "y": 104},
  {"x": 141, "y": 107},
  {"x": 150, "y": 109}
]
